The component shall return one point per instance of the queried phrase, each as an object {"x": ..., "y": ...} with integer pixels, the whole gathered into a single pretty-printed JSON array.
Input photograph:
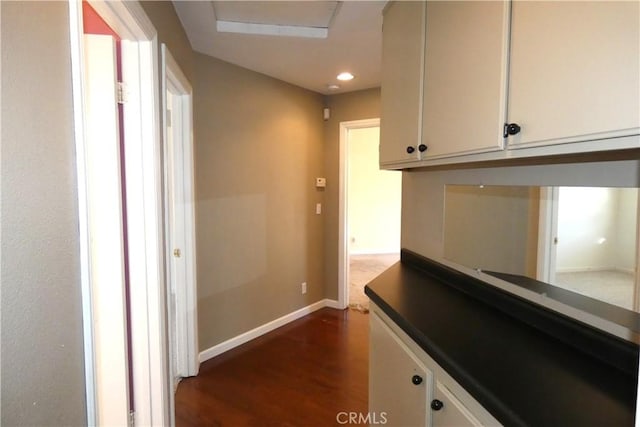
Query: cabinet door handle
[
  {"x": 410, "y": 149},
  {"x": 416, "y": 379},
  {"x": 511, "y": 129},
  {"x": 436, "y": 404},
  {"x": 422, "y": 148}
]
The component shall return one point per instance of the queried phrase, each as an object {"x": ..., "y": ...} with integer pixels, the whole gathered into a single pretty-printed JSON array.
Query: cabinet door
[
  {"x": 574, "y": 71},
  {"x": 401, "y": 91},
  {"x": 399, "y": 384},
  {"x": 452, "y": 413},
  {"x": 465, "y": 76}
]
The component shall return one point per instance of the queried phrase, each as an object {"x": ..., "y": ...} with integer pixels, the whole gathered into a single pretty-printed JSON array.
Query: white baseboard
[
  {"x": 594, "y": 269},
  {"x": 267, "y": 327},
  {"x": 331, "y": 303}
]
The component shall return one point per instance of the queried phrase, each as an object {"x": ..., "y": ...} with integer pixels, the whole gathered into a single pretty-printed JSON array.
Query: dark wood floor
[{"x": 302, "y": 374}]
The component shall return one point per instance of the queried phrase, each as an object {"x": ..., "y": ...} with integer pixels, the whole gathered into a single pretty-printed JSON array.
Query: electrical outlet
[{"x": 303, "y": 287}]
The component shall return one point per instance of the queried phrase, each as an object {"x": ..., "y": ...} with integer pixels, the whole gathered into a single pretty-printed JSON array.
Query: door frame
[
  {"x": 144, "y": 208},
  {"x": 547, "y": 234},
  {"x": 186, "y": 297},
  {"x": 343, "y": 207}
]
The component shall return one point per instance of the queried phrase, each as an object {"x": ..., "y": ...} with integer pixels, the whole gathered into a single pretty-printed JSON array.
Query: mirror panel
[{"x": 582, "y": 239}]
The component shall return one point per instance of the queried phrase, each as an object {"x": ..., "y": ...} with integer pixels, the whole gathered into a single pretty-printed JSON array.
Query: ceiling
[{"x": 305, "y": 43}]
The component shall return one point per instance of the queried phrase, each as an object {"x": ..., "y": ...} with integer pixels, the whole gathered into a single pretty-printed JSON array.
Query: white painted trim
[
  {"x": 151, "y": 385},
  {"x": 547, "y": 231},
  {"x": 343, "y": 232},
  {"x": 77, "y": 61},
  {"x": 331, "y": 303},
  {"x": 266, "y": 328},
  {"x": 144, "y": 216}
]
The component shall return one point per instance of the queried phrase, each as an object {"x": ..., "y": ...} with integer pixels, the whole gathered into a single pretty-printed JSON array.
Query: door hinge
[
  {"x": 132, "y": 419},
  {"x": 121, "y": 93},
  {"x": 168, "y": 117}
]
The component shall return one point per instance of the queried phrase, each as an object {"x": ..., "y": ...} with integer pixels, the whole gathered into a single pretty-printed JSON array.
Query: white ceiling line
[{"x": 271, "y": 30}]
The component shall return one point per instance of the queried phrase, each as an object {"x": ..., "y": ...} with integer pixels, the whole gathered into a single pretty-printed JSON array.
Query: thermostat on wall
[{"x": 321, "y": 182}]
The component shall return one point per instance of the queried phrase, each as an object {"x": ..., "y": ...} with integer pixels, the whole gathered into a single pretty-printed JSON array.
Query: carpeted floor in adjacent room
[{"x": 362, "y": 269}]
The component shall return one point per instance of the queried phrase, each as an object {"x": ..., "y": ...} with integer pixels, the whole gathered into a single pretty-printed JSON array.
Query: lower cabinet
[{"x": 407, "y": 388}]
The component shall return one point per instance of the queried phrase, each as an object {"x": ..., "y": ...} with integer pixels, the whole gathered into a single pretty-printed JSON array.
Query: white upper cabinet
[
  {"x": 465, "y": 75},
  {"x": 564, "y": 75},
  {"x": 574, "y": 72},
  {"x": 402, "y": 74}
]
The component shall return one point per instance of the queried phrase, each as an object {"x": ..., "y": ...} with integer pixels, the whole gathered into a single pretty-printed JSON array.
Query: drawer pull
[
  {"x": 436, "y": 404},
  {"x": 416, "y": 379}
]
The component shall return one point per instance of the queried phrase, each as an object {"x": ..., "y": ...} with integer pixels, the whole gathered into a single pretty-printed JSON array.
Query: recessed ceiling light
[
  {"x": 333, "y": 87},
  {"x": 345, "y": 76}
]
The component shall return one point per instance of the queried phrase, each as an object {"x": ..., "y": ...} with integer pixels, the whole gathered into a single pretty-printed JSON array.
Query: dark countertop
[{"x": 520, "y": 374}]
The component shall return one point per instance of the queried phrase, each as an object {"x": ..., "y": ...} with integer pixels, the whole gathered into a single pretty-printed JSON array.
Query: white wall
[
  {"x": 596, "y": 229},
  {"x": 374, "y": 197}
]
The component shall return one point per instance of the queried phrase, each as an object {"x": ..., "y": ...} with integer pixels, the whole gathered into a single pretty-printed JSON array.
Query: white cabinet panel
[
  {"x": 452, "y": 413},
  {"x": 399, "y": 384},
  {"x": 574, "y": 71},
  {"x": 402, "y": 73},
  {"x": 465, "y": 77}
]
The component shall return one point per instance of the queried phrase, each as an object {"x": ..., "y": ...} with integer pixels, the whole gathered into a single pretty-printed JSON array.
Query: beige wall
[
  {"x": 170, "y": 31},
  {"x": 42, "y": 353},
  {"x": 350, "y": 106},
  {"x": 258, "y": 149},
  {"x": 488, "y": 227},
  {"x": 423, "y": 192}
]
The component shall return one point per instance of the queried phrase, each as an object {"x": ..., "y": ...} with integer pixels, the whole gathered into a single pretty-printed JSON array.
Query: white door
[
  {"x": 104, "y": 198},
  {"x": 177, "y": 232},
  {"x": 180, "y": 227}
]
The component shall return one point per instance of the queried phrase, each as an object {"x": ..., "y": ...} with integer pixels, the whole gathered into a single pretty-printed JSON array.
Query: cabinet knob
[
  {"x": 436, "y": 404},
  {"x": 511, "y": 129},
  {"x": 410, "y": 149},
  {"x": 416, "y": 379},
  {"x": 422, "y": 148}
]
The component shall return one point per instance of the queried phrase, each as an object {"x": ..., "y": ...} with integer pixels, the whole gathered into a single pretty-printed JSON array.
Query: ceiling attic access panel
[{"x": 277, "y": 18}]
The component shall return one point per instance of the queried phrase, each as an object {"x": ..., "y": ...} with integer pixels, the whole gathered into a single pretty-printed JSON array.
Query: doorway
[
  {"x": 101, "y": 223},
  {"x": 370, "y": 205},
  {"x": 592, "y": 236},
  {"x": 179, "y": 221}
]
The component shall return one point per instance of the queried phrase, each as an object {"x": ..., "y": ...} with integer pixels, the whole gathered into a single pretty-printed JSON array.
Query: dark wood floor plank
[{"x": 302, "y": 374}]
